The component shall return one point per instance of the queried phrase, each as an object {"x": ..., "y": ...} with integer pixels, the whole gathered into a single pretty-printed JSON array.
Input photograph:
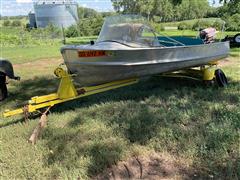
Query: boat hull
[{"x": 137, "y": 62}]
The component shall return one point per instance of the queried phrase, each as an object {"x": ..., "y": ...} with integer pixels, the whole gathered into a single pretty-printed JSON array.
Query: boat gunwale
[
  {"x": 152, "y": 62},
  {"x": 80, "y": 47}
]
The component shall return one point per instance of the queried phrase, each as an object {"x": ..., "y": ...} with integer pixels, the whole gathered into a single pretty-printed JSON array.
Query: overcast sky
[{"x": 23, "y": 7}]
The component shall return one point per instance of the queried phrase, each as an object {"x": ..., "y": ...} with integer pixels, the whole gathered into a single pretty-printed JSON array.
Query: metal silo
[
  {"x": 57, "y": 12},
  {"x": 32, "y": 20}
]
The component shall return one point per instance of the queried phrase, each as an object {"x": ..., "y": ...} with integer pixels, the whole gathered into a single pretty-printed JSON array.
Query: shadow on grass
[
  {"x": 21, "y": 92},
  {"x": 83, "y": 148},
  {"x": 155, "y": 86},
  {"x": 12, "y": 122},
  {"x": 164, "y": 113},
  {"x": 234, "y": 55},
  {"x": 24, "y": 90}
]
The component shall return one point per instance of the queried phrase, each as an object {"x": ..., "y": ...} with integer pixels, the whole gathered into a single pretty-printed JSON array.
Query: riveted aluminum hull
[{"x": 125, "y": 62}]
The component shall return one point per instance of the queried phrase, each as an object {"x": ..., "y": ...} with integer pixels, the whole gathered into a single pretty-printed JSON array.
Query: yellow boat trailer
[{"x": 67, "y": 91}]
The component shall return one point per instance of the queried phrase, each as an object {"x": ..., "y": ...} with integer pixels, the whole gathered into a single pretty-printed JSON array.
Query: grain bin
[
  {"x": 32, "y": 20},
  {"x": 57, "y": 12}
]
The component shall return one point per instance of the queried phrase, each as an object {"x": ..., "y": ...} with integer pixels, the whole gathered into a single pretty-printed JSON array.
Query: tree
[
  {"x": 163, "y": 10},
  {"x": 233, "y": 23},
  {"x": 86, "y": 13},
  {"x": 53, "y": 30},
  {"x": 229, "y": 8},
  {"x": 106, "y": 14},
  {"x": 6, "y": 23},
  {"x": 72, "y": 31},
  {"x": 193, "y": 9},
  {"x": 229, "y": 1},
  {"x": 16, "y": 23},
  {"x": 146, "y": 8},
  {"x": 127, "y": 6}
]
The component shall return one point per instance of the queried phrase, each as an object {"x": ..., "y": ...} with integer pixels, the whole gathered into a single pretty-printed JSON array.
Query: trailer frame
[{"x": 68, "y": 92}]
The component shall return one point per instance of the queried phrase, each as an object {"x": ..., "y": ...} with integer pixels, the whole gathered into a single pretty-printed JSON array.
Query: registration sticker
[{"x": 92, "y": 53}]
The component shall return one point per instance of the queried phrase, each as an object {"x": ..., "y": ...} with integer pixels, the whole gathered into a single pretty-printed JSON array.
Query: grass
[
  {"x": 80, "y": 40},
  {"x": 19, "y": 55},
  {"x": 178, "y": 117},
  {"x": 21, "y": 46}
]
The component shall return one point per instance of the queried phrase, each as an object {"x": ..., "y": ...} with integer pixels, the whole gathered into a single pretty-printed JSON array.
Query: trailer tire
[
  {"x": 221, "y": 79},
  {"x": 3, "y": 87},
  {"x": 237, "y": 38}
]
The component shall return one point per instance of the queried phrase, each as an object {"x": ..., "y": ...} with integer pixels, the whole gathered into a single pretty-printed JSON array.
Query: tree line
[
  {"x": 163, "y": 10},
  {"x": 179, "y": 10},
  {"x": 89, "y": 24},
  {"x": 157, "y": 11}
]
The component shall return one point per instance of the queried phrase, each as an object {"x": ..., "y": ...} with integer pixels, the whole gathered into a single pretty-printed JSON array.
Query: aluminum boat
[{"x": 127, "y": 47}]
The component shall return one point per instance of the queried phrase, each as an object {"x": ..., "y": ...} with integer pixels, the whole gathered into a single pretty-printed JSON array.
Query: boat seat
[{"x": 184, "y": 40}]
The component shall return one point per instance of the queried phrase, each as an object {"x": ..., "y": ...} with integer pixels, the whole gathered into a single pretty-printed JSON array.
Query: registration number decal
[{"x": 92, "y": 53}]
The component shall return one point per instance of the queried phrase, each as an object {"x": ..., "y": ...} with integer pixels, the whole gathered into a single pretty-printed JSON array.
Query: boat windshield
[{"x": 129, "y": 30}]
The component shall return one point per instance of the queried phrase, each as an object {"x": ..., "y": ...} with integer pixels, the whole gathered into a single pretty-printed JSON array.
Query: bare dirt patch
[
  {"x": 37, "y": 68},
  {"x": 228, "y": 62},
  {"x": 42, "y": 63},
  {"x": 154, "y": 166}
]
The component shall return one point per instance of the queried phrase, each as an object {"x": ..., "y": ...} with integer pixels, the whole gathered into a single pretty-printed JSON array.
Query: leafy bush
[
  {"x": 233, "y": 23},
  {"x": 6, "y": 23},
  {"x": 218, "y": 25},
  {"x": 16, "y": 23},
  {"x": 157, "y": 27},
  {"x": 90, "y": 26},
  {"x": 202, "y": 24},
  {"x": 184, "y": 26},
  {"x": 97, "y": 25},
  {"x": 53, "y": 30},
  {"x": 72, "y": 31}
]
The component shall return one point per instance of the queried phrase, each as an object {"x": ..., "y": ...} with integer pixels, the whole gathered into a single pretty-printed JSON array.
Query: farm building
[{"x": 57, "y": 12}]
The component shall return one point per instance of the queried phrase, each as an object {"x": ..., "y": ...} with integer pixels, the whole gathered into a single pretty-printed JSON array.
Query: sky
[{"x": 23, "y": 7}]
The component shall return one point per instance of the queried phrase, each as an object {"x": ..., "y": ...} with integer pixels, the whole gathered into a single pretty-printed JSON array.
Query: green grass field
[
  {"x": 19, "y": 55},
  {"x": 195, "y": 126}
]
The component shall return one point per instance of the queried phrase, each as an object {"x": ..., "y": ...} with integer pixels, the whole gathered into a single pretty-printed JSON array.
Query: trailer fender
[
  {"x": 7, "y": 68},
  {"x": 3, "y": 87}
]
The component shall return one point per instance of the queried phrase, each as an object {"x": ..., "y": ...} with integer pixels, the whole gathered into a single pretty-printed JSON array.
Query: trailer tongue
[{"x": 66, "y": 92}]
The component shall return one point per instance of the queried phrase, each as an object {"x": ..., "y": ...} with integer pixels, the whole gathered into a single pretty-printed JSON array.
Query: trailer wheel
[
  {"x": 3, "y": 87},
  {"x": 237, "y": 38},
  {"x": 221, "y": 79}
]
